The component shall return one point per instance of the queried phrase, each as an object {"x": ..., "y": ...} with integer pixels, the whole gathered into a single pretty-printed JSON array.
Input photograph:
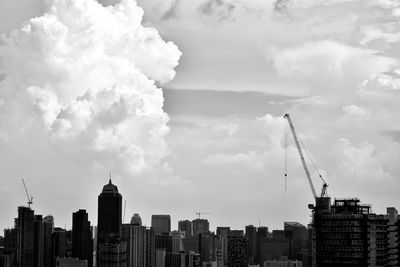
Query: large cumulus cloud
[{"x": 82, "y": 79}]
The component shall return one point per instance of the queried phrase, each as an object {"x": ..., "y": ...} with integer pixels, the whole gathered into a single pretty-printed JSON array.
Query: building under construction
[{"x": 348, "y": 233}]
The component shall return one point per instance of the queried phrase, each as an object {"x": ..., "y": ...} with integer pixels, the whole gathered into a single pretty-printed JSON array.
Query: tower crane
[
  {"x": 297, "y": 141},
  {"x": 199, "y": 213},
  {"x": 30, "y": 198}
]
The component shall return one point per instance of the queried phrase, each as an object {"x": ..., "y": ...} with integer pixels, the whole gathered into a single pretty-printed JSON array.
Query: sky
[{"x": 183, "y": 102}]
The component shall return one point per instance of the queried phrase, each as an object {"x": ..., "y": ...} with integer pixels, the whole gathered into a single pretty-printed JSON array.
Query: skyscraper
[
  {"x": 109, "y": 211},
  {"x": 111, "y": 249},
  {"x": 347, "y": 233},
  {"x": 135, "y": 236},
  {"x": 38, "y": 248},
  {"x": 82, "y": 242},
  {"x": 48, "y": 228},
  {"x": 136, "y": 220},
  {"x": 161, "y": 223},
  {"x": 186, "y": 226},
  {"x": 200, "y": 226},
  {"x": 25, "y": 227},
  {"x": 252, "y": 248}
]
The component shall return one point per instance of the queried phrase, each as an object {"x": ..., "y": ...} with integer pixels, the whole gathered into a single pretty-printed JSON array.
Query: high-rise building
[
  {"x": 237, "y": 251},
  {"x": 10, "y": 248},
  {"x": 347, "y": 233},
  {"x": 25, "y": 227},
  {"x": 38, "y": 247},
  {"x": 135, "y": 237},
  {"x": 393, "y": 237},
  {"x": 251, "y": 235},
  {"x": 136, "y": 220},
  {"x": 48, "y": 228},
  {"x": 150, "y": 248},
  {"x": 298, "y": 239},
  {"x": 186, "y": 226},
  {"x": 200, "y": 226},
  {"x": 109, "y": 211},
  {"x": 224, "y": 233},
  {"x": 59, "y": 244},
  {"x": 82, "y": 242},
  {"x": 111, "y": 249},
  {"x": 171, "y": 243},
  {"x": 161, "y": 223},
  {"x": 211, "y": 248},
  {"x": 160, "y": 257}
]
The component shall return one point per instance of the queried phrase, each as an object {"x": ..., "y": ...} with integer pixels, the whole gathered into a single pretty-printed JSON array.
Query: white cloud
[
  {"x": 85, "y": 75},
  {"x": 354, "y": 110}
]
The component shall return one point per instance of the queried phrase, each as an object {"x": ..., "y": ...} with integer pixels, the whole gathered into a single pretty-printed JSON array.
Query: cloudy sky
[{"x": 183, "y": 101}]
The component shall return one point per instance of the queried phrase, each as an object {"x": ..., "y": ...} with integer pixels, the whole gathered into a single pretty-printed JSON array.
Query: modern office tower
[
  {"x": 111, "y": 253},
  {"x": 161, "y": 223},
  {"x": 109, "y": 211},
  {"x": 111, "y": 250},
  {"x": 38, "y": 237},
  {"x": 136, "y": 220},
  {"x": 392, "y": 237},
  {"x": 224, "y": 233},
  {"x": 10, "y": 248},
  {"x": 274, "y": 247},
  {"x": 171, "y": 243},
  {"x": 251, "y": 235},
  {"x": 160, "y": 257},
  {"x": 82, "y": 242},
  {"x": 25, "y": 227},
  {"x": 150, "y": 248},
  {"x": 298, "y": 239},
  {"x": 48, "y": 227},
  {"x": 135, "y": 237},
  {"x": 59, "y": 244},
  {"x": 200, "y": 226},
  {"x": 237, "y": 251},
  {"x": 211, "y": 248},
  {"x": 347, "y": 233},
  {"x": 185, "y": 226}
]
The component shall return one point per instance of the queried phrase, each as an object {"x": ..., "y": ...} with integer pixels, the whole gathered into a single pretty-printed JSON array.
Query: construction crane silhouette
[
  {"x": 200, "y": 213},
  {"x": 298, "y": 142},
  {"x": 30, "y": 198}
]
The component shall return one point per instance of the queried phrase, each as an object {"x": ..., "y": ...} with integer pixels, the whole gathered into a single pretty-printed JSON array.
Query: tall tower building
[
  {"x": 48, "y": 228},
  {"x": 82, "y": 242},
  {"x": 25, "y": 227},
  {"x": 111, "y": 249},
  {"x": 161, "y": 223},
  {"x": 136, "y": 220},
  {"x": 252, "y": 244},
  {"x": 186, "y": 226},
  {"x": 200, "y": 226},
  {"x": 109, "y": 211},
  {"x": 347, "y": 233},
  {"x": 38, "y": 248}
]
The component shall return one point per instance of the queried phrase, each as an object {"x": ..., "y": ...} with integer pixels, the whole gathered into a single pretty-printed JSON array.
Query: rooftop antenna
[
  {"x": 123, "y": 220},
  {"x": 110, "y": 177}
]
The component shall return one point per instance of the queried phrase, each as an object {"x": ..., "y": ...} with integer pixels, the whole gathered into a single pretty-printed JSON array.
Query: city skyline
[{"x": 78, "y": 99}]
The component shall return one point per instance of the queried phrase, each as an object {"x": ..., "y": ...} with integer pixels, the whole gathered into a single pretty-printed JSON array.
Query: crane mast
[
  {"x": 30, "y": 198},
  {"x": 296, "y": 140}
]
